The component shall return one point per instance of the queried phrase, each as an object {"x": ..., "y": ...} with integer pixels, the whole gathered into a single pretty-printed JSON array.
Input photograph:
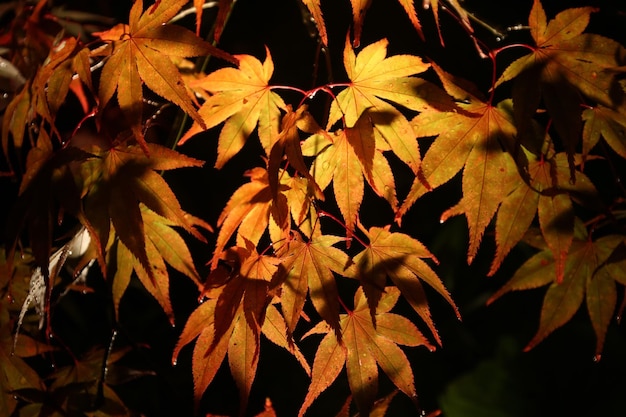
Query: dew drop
[
  {"x": 174, "y": 362},
  {"x": 498, "y": 39},
  {"x": 597, "y": 358},
  {"x": 594, "y": 74},
  {"x": 618, "y": 318},
  {"x": 441, "y": 221}
]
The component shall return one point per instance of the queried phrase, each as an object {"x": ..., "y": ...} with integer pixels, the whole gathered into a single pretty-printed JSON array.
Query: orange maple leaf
[
  {"x": 243, "y": 98},
  {"x": 139, "y": 53},
  {"x": 366, "y": 346}
]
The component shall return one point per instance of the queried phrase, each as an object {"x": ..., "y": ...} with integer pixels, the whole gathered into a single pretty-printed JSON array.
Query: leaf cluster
[{"x": 279, "y": 270}]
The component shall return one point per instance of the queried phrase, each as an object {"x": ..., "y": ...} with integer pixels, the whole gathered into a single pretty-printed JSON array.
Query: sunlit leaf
[{"x": 242, "y": 98}]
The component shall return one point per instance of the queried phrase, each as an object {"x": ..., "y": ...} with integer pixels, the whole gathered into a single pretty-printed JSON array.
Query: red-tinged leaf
[
  {"x": 318, "y": 18},
  {"x": 563, "y": 299},
  {"x": 359, "y": 7},
  {"x": 372, "y": 74},
  {"x": 224, "y": 8},
  {"x": 534, "y": 273},
  {"x": 605, "y": 122},
  {"x": 16, "y": 116},
  {"x": 556, "y": 218},
  {"x": 340, "y": 164},
  {"x": 473, "y": 137},
  {"x": 15, "y": 373},
  {"x": 360, "y": 362},
  {"x": 288, "y": 144},
  {"x": 243, "y": 98},
  {"x": 247, "y": 211},
  {"x": 409, "y": 8},
  {"x": 329, "y": 360},
  {"x": 401, "y": 330},
  {"x": 601, "y": 298},
  {"x": 243, "y": 358},
  {"x": 397, "y": 256},
  {"x": 565, "y": 63},
  {"x": 141, "y": 55},
  {"x": 199, "y": 320},
  {"x": 275, "y": 329},
  {"x": 309, "y": 268}
]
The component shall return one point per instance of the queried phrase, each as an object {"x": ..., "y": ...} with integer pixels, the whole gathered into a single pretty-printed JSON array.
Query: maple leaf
[
  {"x": 399, "y": 257},
  {"x": 224, "y": 8},
  {"x": 359, "y": 8},
  {"x": 248, "y": 211},
  {"x": 241, "y": 97},
  {"x": 549, "y": 193},
  {"x": 375, "y": 76},
  {"x": 308, "y": 269},
  {"x": 366, "y": 345},
  {"x": 162, "y": 244},
  {"x": 288, "y": 144},
  {"x": 47, "y": 192},
  {"x": 318, "y": 18},
  {"x": 471, "y": 137},
  {"x": 601, "y": 121},
  {"x": 587, "y": 276},
  {"x": 139, "y": 53},
  {"x": 231, "y": 321},
  {"x": 564, "y": 64},
  {"x": 122, "y": 178}
]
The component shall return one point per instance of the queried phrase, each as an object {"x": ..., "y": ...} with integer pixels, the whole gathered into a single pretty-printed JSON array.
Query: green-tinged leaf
[
  {"x": 534, "y": 273},
  {"x": 601, "y": 298},
  {"x": 604, "y": 122},
  {"x": 563, "y": 299}
]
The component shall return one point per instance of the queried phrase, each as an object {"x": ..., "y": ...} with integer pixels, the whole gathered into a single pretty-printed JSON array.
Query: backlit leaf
[
  {"x": 242, "y": 98},
  {"x": 398, "y": 256},
  {"x": 140, "y": 54},
  {"x": 363, "y": 349}
]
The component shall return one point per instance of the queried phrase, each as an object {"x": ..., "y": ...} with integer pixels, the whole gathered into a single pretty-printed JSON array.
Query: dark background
[{"x": 480, "y": 370}]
